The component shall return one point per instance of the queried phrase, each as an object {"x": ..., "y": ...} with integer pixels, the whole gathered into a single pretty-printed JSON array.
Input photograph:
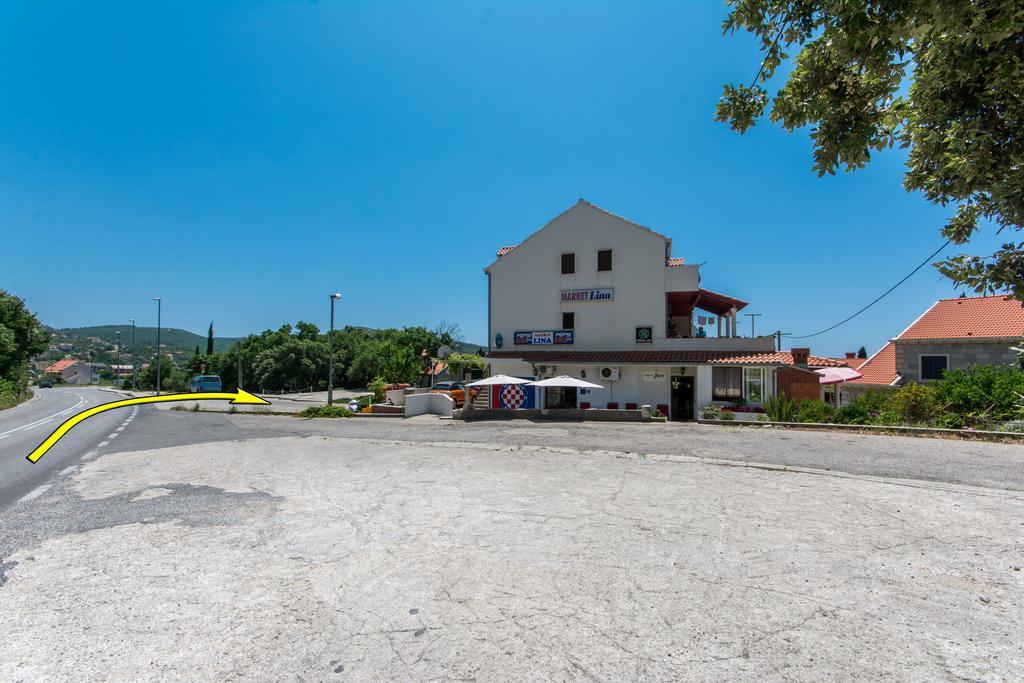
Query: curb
[{"x": 880, "y": 430}]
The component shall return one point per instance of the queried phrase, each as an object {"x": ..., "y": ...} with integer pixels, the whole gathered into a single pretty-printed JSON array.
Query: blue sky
[{"x": 244, "y": 159}]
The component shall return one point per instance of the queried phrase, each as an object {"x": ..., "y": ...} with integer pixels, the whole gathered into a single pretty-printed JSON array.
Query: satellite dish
[{"x": 444, "y": 351}]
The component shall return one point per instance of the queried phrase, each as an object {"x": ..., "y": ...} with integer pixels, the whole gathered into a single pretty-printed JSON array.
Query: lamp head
[{"x": 336, "y": 295}]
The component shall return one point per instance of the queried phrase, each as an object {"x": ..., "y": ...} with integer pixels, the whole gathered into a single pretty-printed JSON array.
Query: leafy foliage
[
  {"x": 21, "y": 338},
  {"x": 942, "y": 79},
  {"x": 813, "y": 410},
  {"x": 710, "y": 412},
  {"x": 982, "y": 394},
  {"x": 326, "y": 411},
  {"x": 780, "y": 408}
]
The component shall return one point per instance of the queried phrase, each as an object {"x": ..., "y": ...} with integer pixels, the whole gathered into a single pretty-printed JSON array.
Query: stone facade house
[{"x": 953, "y": 334}]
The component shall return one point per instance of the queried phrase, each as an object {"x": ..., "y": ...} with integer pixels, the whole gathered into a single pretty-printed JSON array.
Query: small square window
[
  {"x": 604, "y": 259},
  {"x": 568, "y": 321},
  {"x": 568, "y": 264},
  {"x": 933, "y": 367}
]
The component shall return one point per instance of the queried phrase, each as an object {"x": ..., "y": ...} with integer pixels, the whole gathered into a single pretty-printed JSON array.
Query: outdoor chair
[
  {"x": 663, "y": 409},
  {"x": 584, "y": 406},
  {"x": 630, "y": 406},
  {"x": 613, "y": 405}
]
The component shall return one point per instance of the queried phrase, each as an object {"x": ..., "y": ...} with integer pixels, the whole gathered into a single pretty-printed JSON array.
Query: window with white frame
[
  {"x": 753, "y": 385},
  {"x": 934, "y": 366}
]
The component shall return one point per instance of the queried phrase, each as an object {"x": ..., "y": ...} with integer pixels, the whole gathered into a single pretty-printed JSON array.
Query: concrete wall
[
  {"x": 961, "y": 355},
  {"x": 429, "y": 404}
]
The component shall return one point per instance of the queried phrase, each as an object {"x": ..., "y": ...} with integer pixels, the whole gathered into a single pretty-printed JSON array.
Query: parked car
[
  {"x": 457, "y": 391},
  {"x": 203, "y": 383},
  {"x": 46, "y": 384}
]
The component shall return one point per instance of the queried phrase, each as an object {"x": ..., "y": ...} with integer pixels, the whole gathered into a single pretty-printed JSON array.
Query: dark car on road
[{"x": 46, "y": 384}]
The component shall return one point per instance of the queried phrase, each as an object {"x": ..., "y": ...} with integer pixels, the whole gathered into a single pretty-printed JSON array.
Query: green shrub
[
  {"x": 982, "y": 393},
  {"x": 726, "y": 414},
  {"x": 812, "y": 410},
  {"x": 1012, "y": 426},
  {"x": 780, "y": 408},
  {"x": 711, "y": 412},
  {"x": 852, "y": 414},
  {"x": 377, "y": 387},
  {"x": 326, "y": 411},
  {"x": 914, "y": 404},
  {"x": 950, "y": 421},
  {"x": 655, "y": 412}
]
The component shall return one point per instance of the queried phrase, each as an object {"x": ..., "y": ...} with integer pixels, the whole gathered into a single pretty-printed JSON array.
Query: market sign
[
  {"x": 655, "y": 376},
  {"x": 573, "y": 295},
  {"x": 545, "y": 338}
]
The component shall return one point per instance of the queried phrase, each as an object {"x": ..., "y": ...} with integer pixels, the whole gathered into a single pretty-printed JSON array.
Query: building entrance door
[{"x": 682, "y": 398}]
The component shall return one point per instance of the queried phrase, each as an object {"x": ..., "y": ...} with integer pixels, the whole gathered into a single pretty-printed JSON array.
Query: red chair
[
  {"x": 630, "y": 406},
  {"x": 584, "y": 406},
  {"x": 613, "y": 405},
  {"x": 663, "y": 409}
]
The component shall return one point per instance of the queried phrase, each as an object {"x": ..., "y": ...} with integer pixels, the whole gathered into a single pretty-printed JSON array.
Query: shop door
[{"x": 682, "y": 398}]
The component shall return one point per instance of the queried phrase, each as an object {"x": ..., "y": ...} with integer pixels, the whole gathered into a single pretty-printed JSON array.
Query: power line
[{"x": 884, "y": 294}]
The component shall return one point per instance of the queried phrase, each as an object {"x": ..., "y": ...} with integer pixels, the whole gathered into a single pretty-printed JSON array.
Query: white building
[{"x": 598, "y": 297}]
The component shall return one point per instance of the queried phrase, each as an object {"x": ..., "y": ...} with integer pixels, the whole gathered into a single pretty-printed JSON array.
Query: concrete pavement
[{"x": 326, "y": 557}]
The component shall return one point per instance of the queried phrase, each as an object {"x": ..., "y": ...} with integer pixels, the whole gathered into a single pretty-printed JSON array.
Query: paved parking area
[{"x": 337, "y": 555}]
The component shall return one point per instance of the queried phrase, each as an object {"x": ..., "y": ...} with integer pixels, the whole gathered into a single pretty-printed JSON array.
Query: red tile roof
[
  {"x": 976, "y": 317},
  {"x": 676, "y": 262},
  {"x": 880, "y": 368},
  {"x": 662, "y": 357},
  {"x": 854, "y": 363},
  {"x": 60, "y": 366},
  {"x": 505, "y": 250}
]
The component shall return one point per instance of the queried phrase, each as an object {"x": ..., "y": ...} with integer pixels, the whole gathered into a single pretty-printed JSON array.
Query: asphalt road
[{"x": 23, "y": 427}]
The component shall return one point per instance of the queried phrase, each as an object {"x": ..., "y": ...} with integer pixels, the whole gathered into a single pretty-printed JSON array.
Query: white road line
[
  {"x": 44, "y": 420},
  {"x": 35, "y": 493},
  {"x": 112, "y": 436},
  {"x": 67, "y": 470},
  {"x": 120, "y": 429},
  {"x": 102, "y": 444},
  {"x": 89, "y": 456}
]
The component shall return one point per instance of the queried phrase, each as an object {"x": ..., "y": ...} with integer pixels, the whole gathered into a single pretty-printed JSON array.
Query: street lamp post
[
  {"x": 330, "y": 353},
  {"x": 117, "y": 350},
  {"x": 133, "y": 353},
  {"x": 158, "y": 307}
]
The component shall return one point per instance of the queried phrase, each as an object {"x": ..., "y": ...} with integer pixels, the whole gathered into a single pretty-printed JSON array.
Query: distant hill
[{"x": 171, "y": 338}]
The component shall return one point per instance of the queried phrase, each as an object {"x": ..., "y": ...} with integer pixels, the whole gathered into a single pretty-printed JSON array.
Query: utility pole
[
  {"x": 778, "y": 339},
  {"x": 158, "y": 307},
  {"x": 133, "y": 353},
  {"x": 117, "y": 350},
  {"x": 330, "y": 353},
  {"x": 752, "y": 316},
  {"x": 239, "y": 365}
]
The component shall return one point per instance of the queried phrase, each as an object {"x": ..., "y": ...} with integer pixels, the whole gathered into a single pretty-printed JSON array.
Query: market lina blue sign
[{"x": 545, "y": 338}]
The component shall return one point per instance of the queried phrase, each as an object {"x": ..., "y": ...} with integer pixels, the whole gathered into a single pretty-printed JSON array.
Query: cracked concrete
[{"x": 366, "y": 559}]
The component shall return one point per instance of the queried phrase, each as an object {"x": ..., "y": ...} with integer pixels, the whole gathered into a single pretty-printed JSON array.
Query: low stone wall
[
  {"x": 429, "y": 404},
  {"x": 590, "y": 415},
  {"x": 932, "y": 432}
]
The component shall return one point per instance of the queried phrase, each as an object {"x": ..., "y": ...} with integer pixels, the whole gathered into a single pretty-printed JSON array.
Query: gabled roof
[
  {"x": 581, "y": 202},
  {"x": 662, "y": 357},
  {"x": 61, "y": 365},
  {"x": 880, "y": 368},
  {"x": 854, "y": 363},
  {"x": 976, "y": 317}
]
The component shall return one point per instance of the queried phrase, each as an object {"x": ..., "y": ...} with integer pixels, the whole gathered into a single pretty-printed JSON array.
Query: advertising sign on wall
[
  {"x": 644, "y": 335},
  {"x": 573, "y": 295},
  {"x": 655, "y": 376},
  {"x": 545, "y": 338}
]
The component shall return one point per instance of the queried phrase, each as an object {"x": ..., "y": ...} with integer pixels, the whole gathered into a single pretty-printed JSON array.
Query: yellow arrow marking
[{"x": 242, "y": 397}]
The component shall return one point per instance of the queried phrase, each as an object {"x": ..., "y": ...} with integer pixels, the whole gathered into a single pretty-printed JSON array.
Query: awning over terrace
[{"x": 705, "y": 300}]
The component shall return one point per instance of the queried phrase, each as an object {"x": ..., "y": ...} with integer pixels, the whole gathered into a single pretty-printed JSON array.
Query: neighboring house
[
  {"x": 435, "y": 371},
  {"x": 598, "y": 297},
  {"x": 953, "y": 334},
  {"x": 71, "y": 371}
]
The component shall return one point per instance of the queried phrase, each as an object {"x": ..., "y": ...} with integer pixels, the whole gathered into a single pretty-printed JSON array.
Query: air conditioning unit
[
  {"x": 610, "y": 374},
  {"x": 546, "y": 369}
]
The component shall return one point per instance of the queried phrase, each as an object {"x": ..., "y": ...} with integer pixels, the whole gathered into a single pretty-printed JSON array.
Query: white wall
[
  {"x": 703, "y": 389},
  {"x": 527, "y": 282},
  {"x": 429, "y": 404}
]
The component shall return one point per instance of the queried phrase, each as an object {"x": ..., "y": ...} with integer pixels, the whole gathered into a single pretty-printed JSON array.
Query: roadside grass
[{"x": 326, "y": 411}]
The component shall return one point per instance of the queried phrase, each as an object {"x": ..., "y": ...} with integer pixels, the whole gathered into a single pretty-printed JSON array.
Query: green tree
[
  {"x": 209, "y": 340},
  {"x": 294, "y": 365},
  {"x": 862, "y": 352},
  {"x": 941, "y": 79},
  {"x": 21, "y": 338}
]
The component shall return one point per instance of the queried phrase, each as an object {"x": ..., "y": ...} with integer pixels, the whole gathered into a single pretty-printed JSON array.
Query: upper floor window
[
  {"x": 933, "y": 367},
  {"x": 604, "y": 259},
  {"x": 568, "y": 264},
  {"x": 568, "y": 321}
]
